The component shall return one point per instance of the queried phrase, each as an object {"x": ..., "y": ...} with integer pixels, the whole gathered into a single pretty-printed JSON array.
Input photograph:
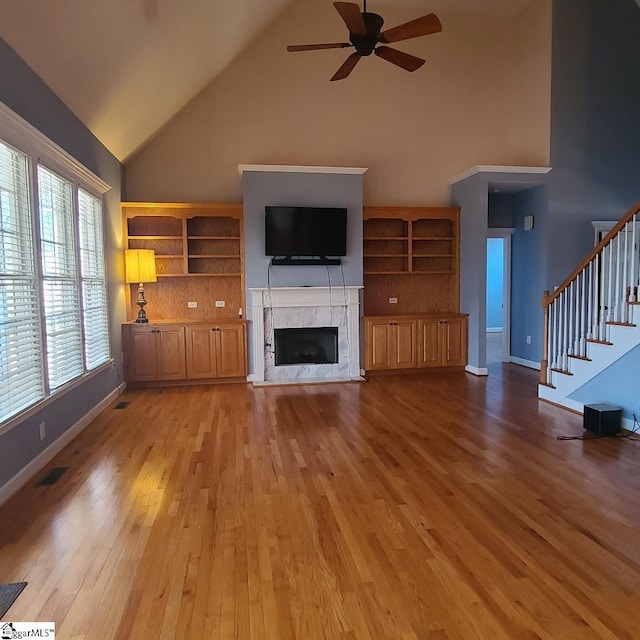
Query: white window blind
[
  {"x": 21, "y": 379},
  {"x": 60, "y": 286},
  {"x": 94, "y": 286}
]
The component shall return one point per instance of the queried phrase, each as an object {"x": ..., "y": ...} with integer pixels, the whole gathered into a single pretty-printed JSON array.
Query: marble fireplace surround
[{"x": 294, "y": 307}]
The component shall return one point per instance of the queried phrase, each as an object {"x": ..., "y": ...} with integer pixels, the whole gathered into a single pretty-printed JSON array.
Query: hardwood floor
[{"x": 428, "y": 506}]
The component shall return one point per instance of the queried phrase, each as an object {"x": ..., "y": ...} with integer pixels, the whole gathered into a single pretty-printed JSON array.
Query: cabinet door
[
  {"x": 378, "y": 354},
  {"x": 231, "y": 359},
  {"x": 201, "y": 352},
  {"x": 404, "y": 338},
  {"x": 140, "y": 353},
  {"x": 171, "y": 353},
  {"x": 454, "y": 341},
  {"x": 429, "y": 347}
]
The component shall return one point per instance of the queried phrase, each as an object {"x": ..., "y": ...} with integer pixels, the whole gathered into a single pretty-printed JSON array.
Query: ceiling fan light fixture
[{"x": 365, "y": 34}]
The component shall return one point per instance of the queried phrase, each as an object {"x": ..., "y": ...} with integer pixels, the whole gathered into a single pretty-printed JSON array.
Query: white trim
[
  {"x": 532, "y": 364},
  {"x": 494, "y": 329},
  {"x": 486, "y": 168},
  {"x": 477, "y": 371},
  {"x": 18, "y": 132},
  {"x": 284, "y": 168},
  {"x": 43, "y": 458}
]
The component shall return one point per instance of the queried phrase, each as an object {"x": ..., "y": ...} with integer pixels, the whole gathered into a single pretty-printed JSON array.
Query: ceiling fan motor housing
[{"x": 366, "y": 44}]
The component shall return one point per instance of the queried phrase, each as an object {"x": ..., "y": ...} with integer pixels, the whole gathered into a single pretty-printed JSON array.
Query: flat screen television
[{"x": 305, "y": 231}]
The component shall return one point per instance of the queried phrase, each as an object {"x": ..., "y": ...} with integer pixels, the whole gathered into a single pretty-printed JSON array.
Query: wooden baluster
[
  {"x": 578, "y": 317},
  {"x": 624, "y": 314},
  {"x": 584, "y": 314},
  {"x": 610, "y": 284},
  {"x": 590, "y": 318},
  {"x": 618, "y": 292},
  {"x": 633, "y": 294},
  {"x": 544, "y": 365}
]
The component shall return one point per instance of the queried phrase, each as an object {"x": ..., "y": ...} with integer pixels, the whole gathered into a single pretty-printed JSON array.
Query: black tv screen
[{"x": 305, "y": 231}]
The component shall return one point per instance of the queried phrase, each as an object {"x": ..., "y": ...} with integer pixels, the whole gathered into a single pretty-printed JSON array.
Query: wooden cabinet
[
  {"x": 410, "y": 342},
  {"x": 216, "y": 351},
  {"x": 442, "y": 342},
  {"x": 154, "y": 353},
  {"x": 391, "y": 343},
  {"x": 199, "y": 251},
  {"x": 181, "y": 352}
]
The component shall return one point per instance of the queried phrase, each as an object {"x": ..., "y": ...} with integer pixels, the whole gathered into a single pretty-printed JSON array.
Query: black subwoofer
[{"x": 603, "y": 419}]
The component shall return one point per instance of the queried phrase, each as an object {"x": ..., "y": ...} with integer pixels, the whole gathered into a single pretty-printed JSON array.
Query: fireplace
[
  {"x": 323, "y": 324},
  {"x": 307, "y": 345}
]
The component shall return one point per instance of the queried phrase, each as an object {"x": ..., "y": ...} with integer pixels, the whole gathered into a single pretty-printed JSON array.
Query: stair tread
[
  {"x": 600, "y": 342},
  {"x": 547, "y": 384},
  {"x": 566, "y": 373},
  {"x": 584, "y": 358},
  {"x": 621, "y": 324}
]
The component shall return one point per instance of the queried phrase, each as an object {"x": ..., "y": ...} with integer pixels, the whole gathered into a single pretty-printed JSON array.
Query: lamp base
[{"x": 141, "y": 302}]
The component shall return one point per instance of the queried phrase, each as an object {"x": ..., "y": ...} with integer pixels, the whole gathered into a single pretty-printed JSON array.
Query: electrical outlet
[
  {"x": 220, "y": 303},
  {"x": 393, "y": 300},
  {"x": 528, "y": 339},
  {"x": 43, "y": 431},
  {"x": 192, "y": 305}
]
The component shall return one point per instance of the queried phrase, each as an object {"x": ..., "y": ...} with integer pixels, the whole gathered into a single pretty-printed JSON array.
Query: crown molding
[{"x": 285, "y": 168}]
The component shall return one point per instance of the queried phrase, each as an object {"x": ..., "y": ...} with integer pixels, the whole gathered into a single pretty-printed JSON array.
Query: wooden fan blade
[
  {"x": 347, "y": 67},
  {"x": 399, "y": 58},
  {"x": 312, "y": 47},
  {"x": 414, "y": 29},
  {"x": 352, "y": 17}
]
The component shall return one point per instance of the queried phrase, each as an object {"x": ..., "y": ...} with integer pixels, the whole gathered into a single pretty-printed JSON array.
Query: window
[
  {"x": 21, "y": 380},
  {"x": 94, "y": 284},
  {"x": 61, "y": 290},
  {"x": 54, "y": 324}
]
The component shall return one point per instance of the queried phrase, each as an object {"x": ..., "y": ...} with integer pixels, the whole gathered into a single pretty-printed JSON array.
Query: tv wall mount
[{"x": 306, "y": 261}]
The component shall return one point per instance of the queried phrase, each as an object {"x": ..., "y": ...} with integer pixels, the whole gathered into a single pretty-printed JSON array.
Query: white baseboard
[
  {"x": 44, "y": 457},
  {"x": 532, "y": 364},
  {"x": 250, "y": 377},
  {"x": 477, "y": 371}
]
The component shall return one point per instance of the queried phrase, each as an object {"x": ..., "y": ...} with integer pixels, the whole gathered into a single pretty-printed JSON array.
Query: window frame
[{"x": 41, "y": 151}]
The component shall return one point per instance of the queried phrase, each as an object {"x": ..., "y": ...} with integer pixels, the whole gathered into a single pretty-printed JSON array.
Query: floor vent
[
  {"x": 53, "y": 475},
  {"x": 122, "y": 405}
]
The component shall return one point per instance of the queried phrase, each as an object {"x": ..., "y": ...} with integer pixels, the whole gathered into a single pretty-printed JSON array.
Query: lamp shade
[{"x": 140, "y": 265}]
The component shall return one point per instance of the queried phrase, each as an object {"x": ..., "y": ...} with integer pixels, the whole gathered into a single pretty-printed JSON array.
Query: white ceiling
[{"x": 125, "y": 67}]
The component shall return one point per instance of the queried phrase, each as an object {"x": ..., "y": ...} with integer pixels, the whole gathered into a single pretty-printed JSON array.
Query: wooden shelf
[
  {"x": 196, "y": 246},
  {"x": 411, "y": 254}
]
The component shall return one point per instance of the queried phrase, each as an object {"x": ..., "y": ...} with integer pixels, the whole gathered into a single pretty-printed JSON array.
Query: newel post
[{"x": 546, "y": 300}]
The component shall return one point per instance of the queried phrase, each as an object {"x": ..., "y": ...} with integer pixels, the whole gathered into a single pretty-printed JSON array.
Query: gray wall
[
  {"x": 528, "y": 273},
  {"x": 263, "y": 188},
  {"x": 25, "y": 93},
  {"x": 595, "y": 143},
  {"x": 595, "y": 129},
  {"x": 472, "y": 195}
]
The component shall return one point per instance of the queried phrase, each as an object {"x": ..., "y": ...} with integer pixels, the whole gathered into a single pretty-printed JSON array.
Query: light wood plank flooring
[{"x": 427, "y": 506}]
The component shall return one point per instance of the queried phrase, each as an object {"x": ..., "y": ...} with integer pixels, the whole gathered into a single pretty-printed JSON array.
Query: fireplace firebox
[{"x": 308, "y": 345}]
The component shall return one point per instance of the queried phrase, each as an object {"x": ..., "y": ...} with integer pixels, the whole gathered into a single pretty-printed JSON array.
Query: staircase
[{"x": 593, "y": 318}]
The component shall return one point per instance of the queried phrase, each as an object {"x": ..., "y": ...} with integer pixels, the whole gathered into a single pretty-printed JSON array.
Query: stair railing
[{"x": 595, "y": 296}]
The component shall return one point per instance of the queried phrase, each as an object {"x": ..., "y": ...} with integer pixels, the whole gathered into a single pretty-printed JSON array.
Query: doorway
[{"x": 498, "y": 302}]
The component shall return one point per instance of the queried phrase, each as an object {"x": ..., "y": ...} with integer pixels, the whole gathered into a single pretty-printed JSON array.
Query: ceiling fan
[{"x": 365, "y": 35}]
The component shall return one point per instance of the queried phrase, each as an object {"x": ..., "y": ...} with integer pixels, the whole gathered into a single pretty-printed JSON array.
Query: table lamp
[{"x": 140, "y": 267}]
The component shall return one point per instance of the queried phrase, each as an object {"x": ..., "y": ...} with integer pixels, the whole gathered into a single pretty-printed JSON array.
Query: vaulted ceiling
[{"x": 125, "y": 67}]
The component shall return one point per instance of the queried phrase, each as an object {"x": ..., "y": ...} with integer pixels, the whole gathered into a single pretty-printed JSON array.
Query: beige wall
[{"x": 482, "y": 98}]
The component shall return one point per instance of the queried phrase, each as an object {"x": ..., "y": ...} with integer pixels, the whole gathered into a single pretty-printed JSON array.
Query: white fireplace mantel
[{"x": 306, "y": 305}]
